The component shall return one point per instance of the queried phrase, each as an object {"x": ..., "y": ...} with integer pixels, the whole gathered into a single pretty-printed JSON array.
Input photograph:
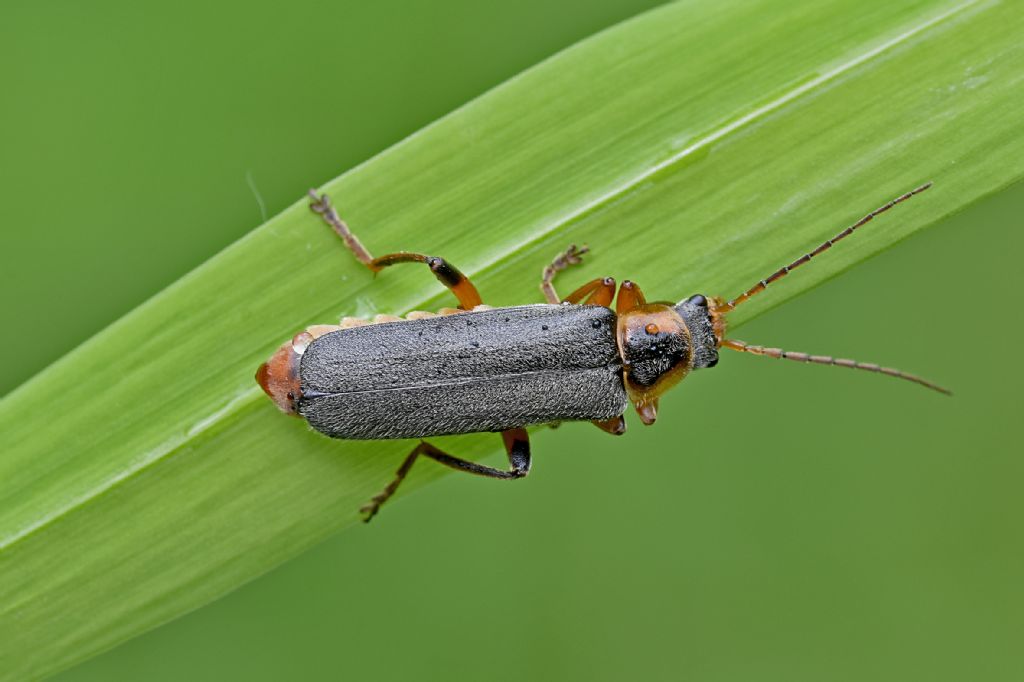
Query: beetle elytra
[{"x": 476, "y": 368}]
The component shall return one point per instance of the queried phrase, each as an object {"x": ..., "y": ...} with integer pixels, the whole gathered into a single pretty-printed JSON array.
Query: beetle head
[
  {"x": 279, "y": 376},
  {"x": 705, "y": 327},
  {"x": 660, "y": 344}
]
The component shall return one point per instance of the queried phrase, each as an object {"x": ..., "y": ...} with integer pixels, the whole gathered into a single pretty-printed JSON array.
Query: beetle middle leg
[
  {"x": 570, "y": 256},
  {"x": 598, "y": 291},
  {"x": 615, "y": 426},
  {"x": 517, "y": 447},
  {"x": 445, "y": 272}
]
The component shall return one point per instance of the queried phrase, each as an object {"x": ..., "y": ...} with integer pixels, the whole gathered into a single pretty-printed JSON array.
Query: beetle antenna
[
  {"x": 782, "y": 272},
  {"x": 778, "y": 353}
]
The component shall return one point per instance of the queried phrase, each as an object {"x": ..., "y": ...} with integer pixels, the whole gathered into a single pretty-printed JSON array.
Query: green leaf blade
[{"x": 145, "y": 474}]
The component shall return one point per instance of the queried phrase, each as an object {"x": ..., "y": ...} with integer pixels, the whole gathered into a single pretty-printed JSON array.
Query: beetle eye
[
  {"x": 651, "y": 329},
  {"x": 699, "y": 300}
]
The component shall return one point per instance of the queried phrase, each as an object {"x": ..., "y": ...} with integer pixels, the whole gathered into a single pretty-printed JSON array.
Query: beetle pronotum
[{"x": 477, "y": 368}]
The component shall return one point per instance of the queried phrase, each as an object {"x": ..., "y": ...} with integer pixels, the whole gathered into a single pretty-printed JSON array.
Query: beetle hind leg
[
  {"x": 517, "y": 447},
  {"x": 445, "y": 272},
  {"x": 321, "y": 205},
  {"x": 370, "y": 509}
]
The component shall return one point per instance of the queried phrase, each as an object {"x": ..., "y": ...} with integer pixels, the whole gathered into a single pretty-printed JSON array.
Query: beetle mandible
[{"x": 476, "y": 368}]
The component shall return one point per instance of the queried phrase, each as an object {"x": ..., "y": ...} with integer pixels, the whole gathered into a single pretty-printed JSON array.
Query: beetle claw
[{"x": 370, "y": 509}]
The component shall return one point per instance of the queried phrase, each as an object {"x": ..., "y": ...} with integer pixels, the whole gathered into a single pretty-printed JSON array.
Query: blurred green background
[{"x": 779, "y": 522}]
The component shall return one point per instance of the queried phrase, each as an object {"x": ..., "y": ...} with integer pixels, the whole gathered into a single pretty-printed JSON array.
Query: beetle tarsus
[
  {"x": 321, "y": 205},
  {"x": 370, "y": 509},
  {"x": 571, "y": 256}
]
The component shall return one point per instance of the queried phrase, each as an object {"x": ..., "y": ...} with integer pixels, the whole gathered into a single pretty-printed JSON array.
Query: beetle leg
[
  {"x": 630, "y": 297},
  {"x": 321, "y": 205},
  {"x": 445, "y": 272},
  {"x": 615, "y": 426},
  {"x": 370, "y": 509},
  {"x": 517, "y": 446},
  {"x": 570, "y": 256},
  {"x": 599, "y": 291}
]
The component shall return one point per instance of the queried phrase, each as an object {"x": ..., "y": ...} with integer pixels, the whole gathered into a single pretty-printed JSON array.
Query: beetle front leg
[
  {"x": 630, "y": 297},
  {"x": 517, "y": 447},
  {"x": 445, "y": 272}
]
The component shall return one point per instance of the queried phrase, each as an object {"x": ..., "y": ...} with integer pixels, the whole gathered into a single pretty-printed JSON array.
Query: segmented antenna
[
  {"x": 782, "y": 272},
  {"x": 778, "y": 353}
]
